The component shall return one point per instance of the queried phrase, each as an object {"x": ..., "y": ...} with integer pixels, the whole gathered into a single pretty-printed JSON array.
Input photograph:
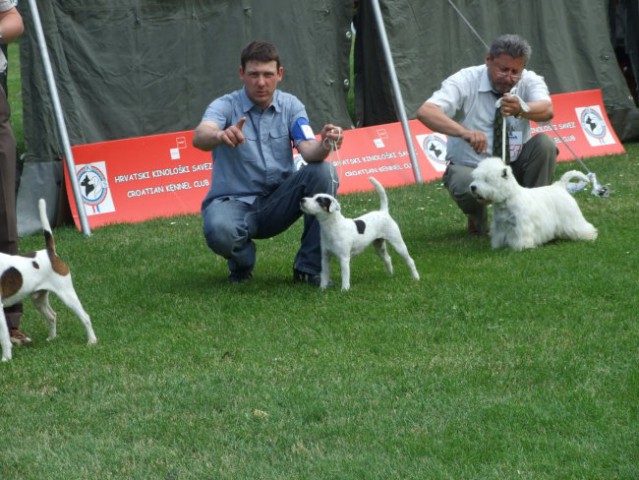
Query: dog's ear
[
  {"x": 325, "y": 203},
  {"x": 334, "y": 206},
  {"x": 504, "y": 173}
]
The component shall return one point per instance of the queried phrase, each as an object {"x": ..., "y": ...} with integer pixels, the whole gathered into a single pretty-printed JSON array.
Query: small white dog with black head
[
  {"x": 345, "y": 237},
  {"x": 529, "y": 217},
  {"x": 36, "y": 275}
]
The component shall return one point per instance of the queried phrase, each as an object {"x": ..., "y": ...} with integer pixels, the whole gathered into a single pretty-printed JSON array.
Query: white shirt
[{"x": 468, "y": 98}]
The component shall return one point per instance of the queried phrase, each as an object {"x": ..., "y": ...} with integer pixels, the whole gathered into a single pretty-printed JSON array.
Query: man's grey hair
[{"x": 511, "y": 44}]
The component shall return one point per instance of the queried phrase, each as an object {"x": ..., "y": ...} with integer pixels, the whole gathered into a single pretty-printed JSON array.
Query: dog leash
[
  {"x": 598, "y": 190},
  {"x": 524, "y": 107},
  {"x": 333, "y": 156}
]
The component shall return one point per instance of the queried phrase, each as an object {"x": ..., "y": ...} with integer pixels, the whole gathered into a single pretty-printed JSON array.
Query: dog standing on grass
[
  {"x": 529, "y": 217},
  {"x": 36, "y": 275},
  {"x": 344, "y": 237}
]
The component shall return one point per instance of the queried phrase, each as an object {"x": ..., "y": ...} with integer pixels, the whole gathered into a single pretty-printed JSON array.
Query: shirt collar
[
  {"x": 484, "y": 83},
  {"x": 248, "y": 105}
]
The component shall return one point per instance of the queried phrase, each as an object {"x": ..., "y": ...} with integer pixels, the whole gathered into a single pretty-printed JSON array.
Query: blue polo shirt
[{"x": 262, "y": 163}]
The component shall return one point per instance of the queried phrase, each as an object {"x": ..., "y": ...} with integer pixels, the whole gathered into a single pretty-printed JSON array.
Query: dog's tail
[
  {"x": 46, "y": 227},
  {"x": 566, "y": 178},
  {"x": 383, "y": 199}
]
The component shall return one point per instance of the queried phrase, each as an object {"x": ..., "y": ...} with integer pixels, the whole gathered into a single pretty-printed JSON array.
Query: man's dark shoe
[
  {"x": 240, "y": 277},
  {"x": 477, "y": 226},
  {"x": 310, "y": 278}
]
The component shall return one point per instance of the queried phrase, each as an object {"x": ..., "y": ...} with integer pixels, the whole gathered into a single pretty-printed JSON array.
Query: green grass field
[{"x": 496, "y": 365}]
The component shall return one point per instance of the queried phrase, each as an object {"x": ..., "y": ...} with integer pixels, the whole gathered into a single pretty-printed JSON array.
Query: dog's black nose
[{"x": 473, "y": 188}]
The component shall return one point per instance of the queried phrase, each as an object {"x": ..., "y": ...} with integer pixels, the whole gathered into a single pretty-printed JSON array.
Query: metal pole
[
  {"x": 62, "y": 129},
  {"x": 399, "y": 101}
]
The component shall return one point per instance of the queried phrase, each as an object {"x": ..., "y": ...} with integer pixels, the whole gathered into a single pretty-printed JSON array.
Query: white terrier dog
[
  {"x": 529, "y": 217},
  {"x": 343, "y": 237},
  {"x": 36, "y": 275}
]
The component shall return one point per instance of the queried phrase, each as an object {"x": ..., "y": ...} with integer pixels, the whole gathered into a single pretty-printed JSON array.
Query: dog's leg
[
  {"x": 41, "y": 302},
  {"x": 5, "y": 340},
  {"x": 524, "y": 236},
  {"x": 396, "y": 240},
  {"x": 345, "y": 266},
  {"x": 325, "y": 274},
  {"x": 382, "y": 252},
  {"x": 71, "y": 300},
  {"x": 505, "y": 227},
  {"x": 498, "y": 237},
  {"x": 584, "y": 231},
  {"x": 575, "y": 226}
]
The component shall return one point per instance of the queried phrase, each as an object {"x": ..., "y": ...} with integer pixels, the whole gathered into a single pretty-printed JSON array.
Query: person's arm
[
  {"x": 434, "y": 118},
  {"x": 11, "y": 26},
  {"x": 208, "y": 135},
  {"x": 317, "y": 150}
]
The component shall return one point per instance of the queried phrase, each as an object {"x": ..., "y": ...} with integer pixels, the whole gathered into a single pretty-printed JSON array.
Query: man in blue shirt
[{"x": 256, "y": 189}]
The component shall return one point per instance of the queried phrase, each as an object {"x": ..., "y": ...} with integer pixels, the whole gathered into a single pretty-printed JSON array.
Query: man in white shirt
[{"x": 464, "y": 110}]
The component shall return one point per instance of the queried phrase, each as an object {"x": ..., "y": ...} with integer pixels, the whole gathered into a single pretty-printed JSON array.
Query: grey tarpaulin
[
  {"x": 127, "y": 68},
  {"x": 571, "y": 41}
]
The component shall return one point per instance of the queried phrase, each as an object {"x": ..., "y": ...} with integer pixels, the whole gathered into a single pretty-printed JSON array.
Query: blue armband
[{"x": 302, "y": 130}]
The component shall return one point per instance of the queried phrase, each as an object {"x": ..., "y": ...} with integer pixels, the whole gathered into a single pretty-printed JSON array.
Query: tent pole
[
  {"x": 66, "y": 145},
  {"x": 399, "y": 101}
]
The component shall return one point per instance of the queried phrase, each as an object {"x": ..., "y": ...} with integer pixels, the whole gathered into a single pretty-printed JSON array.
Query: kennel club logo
[
  {"x": 434, "y": 147},
  {"x": 594, "y": 126},
  {"x": 94, "y": 187}
]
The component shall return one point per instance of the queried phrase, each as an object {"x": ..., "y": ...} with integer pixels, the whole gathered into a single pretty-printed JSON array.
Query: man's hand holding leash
[{"x": 332, "y": 136}]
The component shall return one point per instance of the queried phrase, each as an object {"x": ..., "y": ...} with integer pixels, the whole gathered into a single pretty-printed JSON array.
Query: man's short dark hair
[
  {"x": 260, "y": 51},
  {"x": 511, "y": 44}
]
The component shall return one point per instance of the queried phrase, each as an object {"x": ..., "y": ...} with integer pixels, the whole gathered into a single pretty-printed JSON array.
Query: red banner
[
  {"x": 581, "y": 125},
  {"x": 138, "y": 179},
  {"x": 381, "y": 152}
]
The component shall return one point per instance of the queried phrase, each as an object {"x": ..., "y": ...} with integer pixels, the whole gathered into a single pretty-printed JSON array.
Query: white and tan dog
[
  {"x": 36, "y": 275},
  {"x": 344, "y": 237},
  {"x": 529, "y": 217}
]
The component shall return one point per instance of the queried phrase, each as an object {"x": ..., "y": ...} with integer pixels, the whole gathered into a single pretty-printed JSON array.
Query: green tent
[{"x": 128, "y": 68}]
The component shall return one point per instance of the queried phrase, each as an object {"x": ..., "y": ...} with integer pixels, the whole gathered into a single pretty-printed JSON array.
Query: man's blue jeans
[{"x": 230, "y": 225}]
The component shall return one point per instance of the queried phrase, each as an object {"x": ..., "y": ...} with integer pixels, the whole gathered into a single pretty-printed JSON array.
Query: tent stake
[
  {"x": 62, "y": 129},
  {"x": 399, "y": 101}
]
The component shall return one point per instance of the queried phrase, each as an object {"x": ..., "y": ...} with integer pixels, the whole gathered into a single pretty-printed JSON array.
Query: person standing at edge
[
  {"x": 256, "y": 190},
  {"x": 11, "y": 27},
  {"x": 464, "y": 109}
]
